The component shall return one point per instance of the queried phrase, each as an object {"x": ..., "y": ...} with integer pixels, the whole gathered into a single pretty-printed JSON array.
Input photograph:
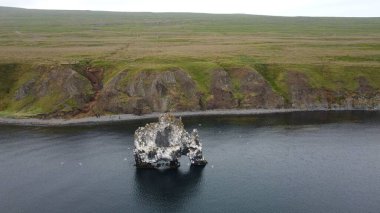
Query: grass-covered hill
[{"x": 78, "y": 63}]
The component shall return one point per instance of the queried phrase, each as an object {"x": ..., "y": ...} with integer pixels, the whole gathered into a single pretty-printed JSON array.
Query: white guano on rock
[{"x": 160, "y": 145}]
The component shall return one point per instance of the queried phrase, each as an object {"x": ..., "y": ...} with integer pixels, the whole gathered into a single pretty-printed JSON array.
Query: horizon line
[{"x": 187, "y": 12}]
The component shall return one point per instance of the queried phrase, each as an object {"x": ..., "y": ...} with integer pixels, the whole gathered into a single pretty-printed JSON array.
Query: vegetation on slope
[{"x": 331, "y": 52}]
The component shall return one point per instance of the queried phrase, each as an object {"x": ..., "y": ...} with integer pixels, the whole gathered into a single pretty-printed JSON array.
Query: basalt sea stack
[{"x": 160, "y": 145}]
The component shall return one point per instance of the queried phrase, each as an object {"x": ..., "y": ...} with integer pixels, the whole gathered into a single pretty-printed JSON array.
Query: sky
[{"x": 346, "y": 8}]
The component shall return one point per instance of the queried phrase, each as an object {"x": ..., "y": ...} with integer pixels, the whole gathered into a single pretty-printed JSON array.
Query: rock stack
[{"x": 160, "y": 145}]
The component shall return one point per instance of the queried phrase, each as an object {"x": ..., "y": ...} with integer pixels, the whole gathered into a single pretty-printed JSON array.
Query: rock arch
[{"x": 161, "y": 144}]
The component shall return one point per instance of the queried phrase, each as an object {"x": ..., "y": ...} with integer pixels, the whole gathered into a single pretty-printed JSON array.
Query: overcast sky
[{"x": 364, "y": 8}]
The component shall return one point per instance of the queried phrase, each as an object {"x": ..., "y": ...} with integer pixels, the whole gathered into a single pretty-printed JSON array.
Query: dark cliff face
[
  {"x": 146, "y": 92},
  {"x": 58, "y": 91},
  {"x": 249, "y": 90},
  {"x": 255, "y": 90},
  {"x": 52, "y": 91},
  {"x": 221, "y": 91},
  {"x": 175, "y": 90},
  {"x": 304, "y": 96}
]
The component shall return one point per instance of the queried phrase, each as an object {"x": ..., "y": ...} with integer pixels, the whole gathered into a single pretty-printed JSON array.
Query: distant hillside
[{"x": 79, "y": 63}]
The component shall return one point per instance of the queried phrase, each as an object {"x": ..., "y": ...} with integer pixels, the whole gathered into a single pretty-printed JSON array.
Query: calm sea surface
[{"x": 294, "y": 162}]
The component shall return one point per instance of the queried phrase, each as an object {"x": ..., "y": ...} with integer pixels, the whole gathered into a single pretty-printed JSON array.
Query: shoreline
[{"x": 131, "y": 117}]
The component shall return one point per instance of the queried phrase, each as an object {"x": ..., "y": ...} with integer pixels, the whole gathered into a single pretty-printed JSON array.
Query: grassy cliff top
[{"x": 42, "y": 36}]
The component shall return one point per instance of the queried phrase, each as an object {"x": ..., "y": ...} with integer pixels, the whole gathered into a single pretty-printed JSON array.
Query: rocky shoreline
[{"x": 131, "y": 117}]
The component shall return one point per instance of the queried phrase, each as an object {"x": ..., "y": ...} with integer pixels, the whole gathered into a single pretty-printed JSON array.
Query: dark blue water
[{"x": 295, "y": 162}]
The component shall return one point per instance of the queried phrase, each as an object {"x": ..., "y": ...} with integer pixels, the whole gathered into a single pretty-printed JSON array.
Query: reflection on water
[{"x": 167, "y": 187}]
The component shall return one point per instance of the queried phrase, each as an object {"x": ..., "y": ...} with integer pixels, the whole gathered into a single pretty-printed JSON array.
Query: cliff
[{"x": 69, "y": 91}]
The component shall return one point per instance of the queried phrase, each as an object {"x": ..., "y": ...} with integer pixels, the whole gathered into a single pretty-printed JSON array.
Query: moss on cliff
[
  {"x": 29, "y": 90},
  {"x": 21, "y": 85}
]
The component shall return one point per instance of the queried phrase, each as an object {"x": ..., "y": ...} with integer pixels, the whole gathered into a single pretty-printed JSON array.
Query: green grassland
[{"x": 332, "y": 52}]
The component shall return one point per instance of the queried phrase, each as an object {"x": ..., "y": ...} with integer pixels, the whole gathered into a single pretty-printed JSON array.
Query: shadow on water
[
  {"x": 160, "y": 189},
  {"x": 284, "y": 119}
]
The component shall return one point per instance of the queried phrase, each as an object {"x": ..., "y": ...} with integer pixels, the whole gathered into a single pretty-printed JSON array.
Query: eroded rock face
[
  {"x": 55, "y": 90},
  {"x": 255, "y": 90},
  {"x": 221, "y": 90},
  {"x": 160, "y": 145},
  {"x": 304, "y": 96},
  {"x": 150, "y": 91}
]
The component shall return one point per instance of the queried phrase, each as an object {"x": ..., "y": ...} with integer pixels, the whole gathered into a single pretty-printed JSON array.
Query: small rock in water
[
  {"x": 125, "y": 159},
  {"x": 159, "y": 145},
  {"x": 80, "y": 164}
]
